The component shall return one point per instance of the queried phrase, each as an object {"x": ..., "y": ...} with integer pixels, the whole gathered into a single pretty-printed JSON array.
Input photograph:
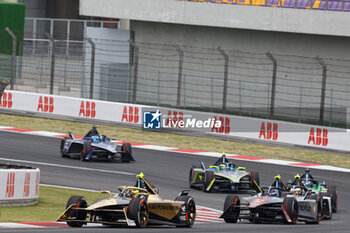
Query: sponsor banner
[
  {"x": 72, "y": 107},
  {"x": 19, "y": 184},
  {"x": 183, "y": 120},
  {"x": 246, "y": 127}
]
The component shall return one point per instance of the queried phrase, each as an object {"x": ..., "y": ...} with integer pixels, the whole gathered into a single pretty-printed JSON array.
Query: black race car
[
  {"x": 275, "y": 203},
  {"x": 94, "y": 146}
]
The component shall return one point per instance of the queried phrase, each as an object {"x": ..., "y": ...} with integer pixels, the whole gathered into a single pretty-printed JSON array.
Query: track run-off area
[{"x": 169, "y": 171}]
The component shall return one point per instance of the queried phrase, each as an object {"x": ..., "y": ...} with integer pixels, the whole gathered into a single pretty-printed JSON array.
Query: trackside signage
[
  {"x": 53, "y": 105},
  {"x": 177, "y": 119},
  {"x": 245, "y": 127},
  {"x": 19, "y": 184}
]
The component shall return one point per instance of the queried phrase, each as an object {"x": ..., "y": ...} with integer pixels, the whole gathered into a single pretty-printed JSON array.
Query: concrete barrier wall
[
  {"x": 232, "y": 126},
  {"x": 19, "y": 185}
]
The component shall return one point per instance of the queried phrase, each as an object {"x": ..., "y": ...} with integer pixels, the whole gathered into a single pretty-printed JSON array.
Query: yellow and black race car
[
  {"x": 224, "y": 176},
  {"x": 138, "y": 205}
]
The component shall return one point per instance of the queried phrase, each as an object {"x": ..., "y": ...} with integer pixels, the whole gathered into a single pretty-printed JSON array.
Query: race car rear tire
[
  {"x": 80, "y": 202},
  {"x": 63, "y": 141},
  {"x": 290, "y": 205},
  {"x": 231, "y": 206},
  {"x": 127, "y": 152},
  {"x": 190, "y": 209},
  {"x": 138, "y": 211},
  {"x": 208, "y": 178},
  {"x": 254, "y": 176},
  {"x": 334, "y": 199},
  {"x": 86, "y": 150}
]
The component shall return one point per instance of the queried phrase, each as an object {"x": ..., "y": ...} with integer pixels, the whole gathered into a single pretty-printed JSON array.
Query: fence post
[
  {"x": 211, "y": 94},
  {"x": 323, "y": 89},
  {"x": 179, "y": 80},
  {"x": 300, "y": 103},
  {"x": 13, "y": 60},
  {"x": 184, "y": 87},
  {"x": 331, "y": 112},
  {"x": 52, "y": 73},
  {"x": 224, "y": 98},
  {"x": 273, "y": 89},
  {"x": 136, "y": 64},
  {"x": 92, "y": 66},
  {"x": 158, "y": 88},
  {"x": 240, "y": 96}
]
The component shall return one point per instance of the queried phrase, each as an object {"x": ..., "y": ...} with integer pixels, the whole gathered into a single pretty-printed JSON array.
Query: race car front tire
[
  {"x": 80, "y": 202},
  {"x": 208, "y": 178},
  {"x": 190, "y": 210},
  {"x": 127, "y": 152},
  {"x": 63, "y": 141},
  {"x": 334, "y": 199},
  {"x": 254, "y": 176},
  {"x": 138, "y": 211},
  {"x": 191, "y": 176},
  {"x": 231, "y": 206},
  {"x": 290, "y": 205},
  {"x": 86, "y": 150}
]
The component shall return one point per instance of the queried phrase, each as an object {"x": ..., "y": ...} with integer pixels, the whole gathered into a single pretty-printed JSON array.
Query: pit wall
[
  {"x": 19, "y": 186},
  {"x": 245, "y": 128}
]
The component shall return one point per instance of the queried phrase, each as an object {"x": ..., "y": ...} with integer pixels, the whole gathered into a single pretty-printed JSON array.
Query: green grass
[
  {"x": 51, "y": 203},
  {"x": 180, "y": 141}
]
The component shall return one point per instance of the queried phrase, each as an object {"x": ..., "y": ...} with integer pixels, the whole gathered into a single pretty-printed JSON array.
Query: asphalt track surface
[{"x": 169, "y": 172}]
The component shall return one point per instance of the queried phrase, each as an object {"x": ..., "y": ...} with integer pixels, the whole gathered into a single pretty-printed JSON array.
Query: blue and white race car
[{"x": 94, "y": 146}]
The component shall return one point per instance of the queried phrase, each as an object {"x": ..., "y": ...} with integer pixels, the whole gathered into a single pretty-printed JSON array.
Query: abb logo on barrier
[
  {"x": 6, "y": 100},
  {"x": 269, "y": 132},
  {"x": 26, "y": 185},
  {"x": 131, "y": 114},
  {"x": 87, "y": 109},
  {"x": 10, "y": 186},
  {"x": 173, "y": 119},
  {"x": 225, "y": 125},
  {"x": 318, "y": 138},
  {"x": 46, "y": 104}
]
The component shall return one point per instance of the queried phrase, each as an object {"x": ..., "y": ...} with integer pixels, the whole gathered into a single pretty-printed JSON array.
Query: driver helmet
[
  {"x": 132, "y": 193},
  {"x": 308, "y": 184},
  {"x": 231, "y": 166},
  {"x": 95, "y": 139},
  {"x": 222, "y": 166},
  {"x": 296, "y": 191},
  {"x": 274, "y": 192}
]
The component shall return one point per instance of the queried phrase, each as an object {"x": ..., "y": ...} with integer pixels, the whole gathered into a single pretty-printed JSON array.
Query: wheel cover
[
  {"x": 190, "y": 213},
  {"x": 143, "y": 215}
]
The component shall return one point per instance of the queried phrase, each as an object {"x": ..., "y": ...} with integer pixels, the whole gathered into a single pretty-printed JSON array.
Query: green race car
[{"x": 328, "y": 192}]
